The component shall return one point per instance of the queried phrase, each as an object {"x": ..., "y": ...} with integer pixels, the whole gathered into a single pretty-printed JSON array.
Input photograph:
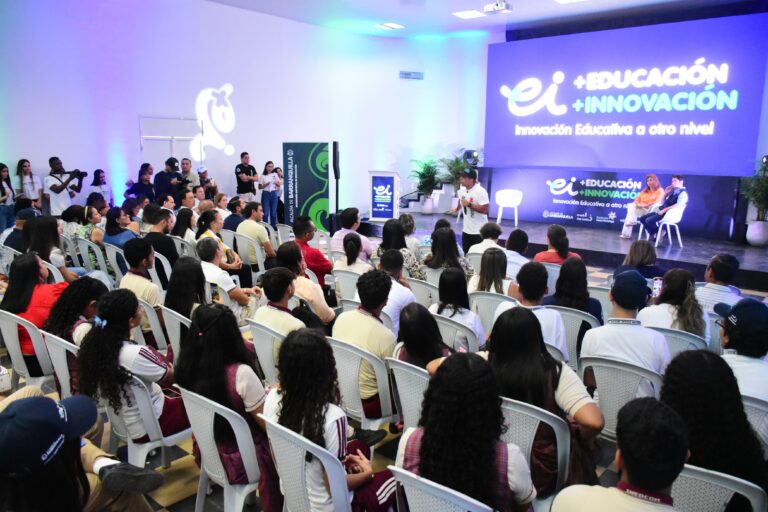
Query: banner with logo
[
  {"x": 306, "y": 182},
  {"x": 385, "y": 195}
]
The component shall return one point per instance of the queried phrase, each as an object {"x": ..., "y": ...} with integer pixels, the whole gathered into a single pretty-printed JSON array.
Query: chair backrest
[
  {"x": 228, "y": 237},
  {"x": 426, "y": 293},
  {"x": 338, "y": 255},
  {"x": 423, "y": 494},
  {"x": 289, "y": 450},
  {"x": 272, "y": 234},
  {"x": 572, "y": 320},
  {"x": 245, "y": 245},
  {"x": 115, "y": 256},
  {"x": 160, "y": 260},
  {"x": 601, "y": 294},
  {"x": 617, "y": 383},
  {"x": 509, "y": 197},
  {"x": 351, "y": 305},
  {"x": 146, "y": 409},
  {"x": 523, "y": 420},
  {"x": 698, "y": 489},
  {"x": 757, "y": 411},
  {"x": 185, "y": 248},
  {"x": 154, "y": 323},
  {"x": 57, "y": 350},
  {"x": 457, "y": 335},
  {"x": 9, "y": 326},
  {"x": 173, "y": 322},
  {"x": 714, "y": 333},
  {"x": 223, "y": 296},
  {"x": 323, "y": 243},
  {"x": 87, "y": 247},
  {"x": 673, "y": 215},
  {"x": 555, "y": 352},
  {"x": 484, "y": 304},
  {"x": 266, "y": 341},
  {"x": 432, "y": 275},
  {"x": 474, "y": 259},
  {"x": 202, "y": 412},
  {"x": 349, "y": 360},
  {"x": 55, "y": 272},
  {"x": 284, "y": 233},
  {"x": 311, "y": 276},
  {"x": 70, "y": 248},
  {"x": 410, "y": 383},
  {"x": 346, "y": 281},
  {"x": 553, "y": 272},
  {"x": 679, "y": 341}
]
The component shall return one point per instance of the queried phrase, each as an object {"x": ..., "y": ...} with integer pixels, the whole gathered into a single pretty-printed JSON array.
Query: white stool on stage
[{"x": 508, "y": 198}]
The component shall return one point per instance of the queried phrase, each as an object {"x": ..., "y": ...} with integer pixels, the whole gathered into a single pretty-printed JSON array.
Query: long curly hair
[
  {"x": 462, "y": 397},
  {"x": 308, "y": 383},
  {"x": 212, "y": 344},
  {"x": 679, "y": 289},
  {"x": 99, "y": 370},
  {"x": 493, "y": 271},
  {"x": 701, "y": 387},
  {"x": 71, "y": 304},
  {"x": 571, "y": 287}
]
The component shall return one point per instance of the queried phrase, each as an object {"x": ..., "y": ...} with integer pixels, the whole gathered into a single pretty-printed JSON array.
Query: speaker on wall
[{"x": 336, "y": 172}]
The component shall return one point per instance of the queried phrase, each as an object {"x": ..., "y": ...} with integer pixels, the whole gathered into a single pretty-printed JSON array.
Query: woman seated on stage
[
  {"x": 493, "y": 274},
  {"x": 641, "y": 257},
  {"x": 557, "y": 247},
  {"x": 651, "y": 195},
  {"x": 676, "y": 307}
]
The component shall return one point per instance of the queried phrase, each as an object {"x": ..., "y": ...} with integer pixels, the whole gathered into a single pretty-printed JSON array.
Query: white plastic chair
[
  {"x": 409, "y": 384},
  {"x": 272, "y": 234},
  {"x": 184, "y": 248},
  {"x": 555, "y": 352},
  {"x": 698, "y": 489},
  {"x": 349, "y": 361},
  {"x": 572, "y": 319},
  {"x": 154, "y": 323},
  {"x": 475, "y": 260},
  {"x": 671, "y": 220},
  {"x": 59, "y": 350},
  {"x": 245, "y": 245},
  {"x": 757, "y": 412},
  {"x": 508, "y": 198},
  {"x": 426, "y": 293},
  {"x": 680, "y": 341},
  {"x": 55, "y": 272},
  {"x": 9, "y": 326},
  {"x": 617, "y": 383},
  {"x": 522, "y": 421},
  {"x": 346, "y": 283},
  {"x": 202, "y": 412},
  {"x": 351, "y": 305},
  {"x": 69, "y": 247},
  {"x": 228, "y": 237},
  {"x": 284, "y": 233},
  {"x": 86, "y": 247},
  {"x": 338, "y": 255},
  {"x": 115, "y": 256},
  {"x": 452, "y": 332},
  {"x": 484, "y": 304},
  {"x": 289, "y": 451},
  {"x": 266, "y": 341},
  {"x": 153, "y": 274},
  {"x": 173, "y": 322},
  {"x": 553, "y": 272},
  {"x": 423, "y": 494},
  {"x": 311, "y": 276},
  {"x": 601, "y": 294},
  {"x": 431, "y": 275}
]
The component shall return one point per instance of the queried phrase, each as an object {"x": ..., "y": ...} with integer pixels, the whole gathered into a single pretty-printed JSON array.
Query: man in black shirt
[
  {"x": 15, "y": 240},
  {"x": 161, "y": 242},
  {"x": 169, "y": 181},
  {"x": 246, "y": 177}
]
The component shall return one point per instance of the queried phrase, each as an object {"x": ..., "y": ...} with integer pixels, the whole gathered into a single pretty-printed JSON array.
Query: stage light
[{"x": 471, "y": 157}]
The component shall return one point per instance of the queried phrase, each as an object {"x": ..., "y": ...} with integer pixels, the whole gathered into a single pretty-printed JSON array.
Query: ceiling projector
[{"x": 496, "y": 7}]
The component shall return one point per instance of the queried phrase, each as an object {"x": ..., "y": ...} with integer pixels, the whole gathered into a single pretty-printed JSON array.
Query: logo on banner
[
  {"x": 526, "y": 98},
  {"x": 560, "y": 186},
  {"x": 382, "y": 193}
]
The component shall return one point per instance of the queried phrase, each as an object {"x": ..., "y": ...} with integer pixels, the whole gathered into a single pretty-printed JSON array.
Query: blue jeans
[
  {"x": 269, "y": 203},
  {"x": 8, "y": 219},
  {"x": 650, "y": 222}
]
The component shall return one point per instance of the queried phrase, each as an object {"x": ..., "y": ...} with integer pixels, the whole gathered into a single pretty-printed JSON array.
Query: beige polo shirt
[
  {"x": 253, "y": 229},
  {"x": 144, "y": 289},
  {"x": 277, "y": 320}
]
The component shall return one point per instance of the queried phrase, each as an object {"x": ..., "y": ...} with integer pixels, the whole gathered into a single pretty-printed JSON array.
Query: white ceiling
[{"x": 423, "y": 17}]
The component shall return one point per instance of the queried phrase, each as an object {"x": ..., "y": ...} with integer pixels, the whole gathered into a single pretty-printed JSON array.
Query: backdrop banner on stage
[
  {"x": 600, "y": 199},
  {"x": 306, "y": 182}
]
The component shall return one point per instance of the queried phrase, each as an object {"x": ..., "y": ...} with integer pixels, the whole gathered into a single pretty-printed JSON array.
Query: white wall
[{"x": 77, "y": 76}]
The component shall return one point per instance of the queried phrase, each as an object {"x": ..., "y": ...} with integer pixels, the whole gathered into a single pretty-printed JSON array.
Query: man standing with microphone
[{"x": 474, "y": 204}]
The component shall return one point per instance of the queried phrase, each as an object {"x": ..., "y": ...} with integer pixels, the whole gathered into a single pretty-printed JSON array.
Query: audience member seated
[
  {"x": 350, "y": 222},
  {"x": 651, "y": 450},
  {"x": 393, "y": 237},
  {"x": 352, "y": 248},
  {"x": 131, "y": 207},
  {"x": 91, "y": 231},
  {"x": 463, "y": 397},
  {"x": 71, "y": 220},
  {"x": 409, "y": 228},
  {"x": 675, "y": 196},
  {"x": 205, "y": 206},
  {"x": 277, "y": 285},
  {"x": 215, "y": 363},
  {"x": 187, "y": 201},
  {"x": 651, "y": 195},
  {"x": 623, "y": 337},
  {"x": 221, "y": 200},
  {"x": 166, "y": 201},
  {"x": 744, "y": 336},
  {"x": 400, "y": 294},
  {"x": 235, "y": 206},
  {"x": 185, "y": 225},
  {"x": 30, "y": 298},
  {"x": 289, "y": 256},
  {"x": 208, "y": 226},
  {"x": 41, "y": 236},
  {"x": 719, "y": 276},
  {"x": 525, "y": 371},
  {"x": 517, "y": 246},
  {"x": 304, "y": 230},
  {"x": 253, "y": 215},
  {"x": 47, "y": 466},
  {"x": 427, "y": 239},
  {"x": 161, "y": 242},
  {"x": 108, "y": 359},
  {"x": 454, "y": 304},
  {"x": 490, "y": 233},
  {"x": 363, "y": 328},
  {"x": 243, "y": 301},
  {"x": 641, "y": 257},
  {"x": 118, "y": 229},
  {"x": 676, "y": 306},
  {"x": 307, "y": 401},
  {"x": 141, "y": 257},
  {"x": 186, "y": 287},
  {"x": 558, "y": 247},
  {"x": 15, "y": 239},
  {"x": 532, "y": 286},
  {"x": 445, "y": 253},
  {"x": 702, "y": 389},
  {"x": 97, "y": 201},
  {"x": 493, "y": 273},
  {"x": 148, "y": 214},
  {"x": 420, "y": 336}
]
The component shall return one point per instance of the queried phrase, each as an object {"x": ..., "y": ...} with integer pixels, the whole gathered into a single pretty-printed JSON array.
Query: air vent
[{"x": 411, "y": 75}]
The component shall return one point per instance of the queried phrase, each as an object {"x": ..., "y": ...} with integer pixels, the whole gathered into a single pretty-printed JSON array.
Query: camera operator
[
  {"x": 170, "y": 180},
  {"x": 190, "y": 179},
  {"x": 59, "y": 187}
]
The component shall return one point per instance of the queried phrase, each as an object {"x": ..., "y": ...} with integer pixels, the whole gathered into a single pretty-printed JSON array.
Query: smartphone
[{"x": 656, "y": 290}]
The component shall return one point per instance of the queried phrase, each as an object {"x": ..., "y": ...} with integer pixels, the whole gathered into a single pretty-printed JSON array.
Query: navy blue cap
[
  {"x": 27, "y": 213},
  {"x": 747, "y": 315},
  {"x": 630, "y": 290},
  {"x": 33, "y": 430}
]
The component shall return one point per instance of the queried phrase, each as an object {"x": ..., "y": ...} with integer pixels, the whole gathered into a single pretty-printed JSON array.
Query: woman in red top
[
  {"x": 30, "y": 298},
  {"x": 558, "y": 247}
]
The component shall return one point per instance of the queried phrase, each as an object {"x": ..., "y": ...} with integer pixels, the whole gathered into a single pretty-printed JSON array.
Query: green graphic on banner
[{"x": 306, "y": 182}]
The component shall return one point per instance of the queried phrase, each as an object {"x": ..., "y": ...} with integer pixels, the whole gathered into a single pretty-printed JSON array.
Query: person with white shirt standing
[
  {"x": 31, "y": 186},
  {"x": 270, "y": 184},
  {"x": 59, "y": 187},
  {"x": 474, "y": 203},
  {"x": 490, "y": 233},
  {"x": 719, "y": 275}
]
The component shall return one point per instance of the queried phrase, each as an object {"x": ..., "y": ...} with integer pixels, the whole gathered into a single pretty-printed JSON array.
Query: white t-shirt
[
  {"x": 224, "y": 212},
  {"x": 552, "y": 327},
  {"x": 57, "y": 258},
  {"x": 269, "y": 180},
  {"x": 752, "y": 375},
  {"x": 475, "y": 280},
  {"x": 664, "y": 316},
  {"x": 30, "y": 186},
  {"x": 399, "y": 297},
  {"x": 104, "y": 190},
  {"x": 148, "y": 365},
  {"x": 189, "y": 236},
  {"x": 249, "y": 387},
  {"x": 711, "y": 294},
  {"x": 466, "y": 317},
  {"x": 473, "y": 220},
  {"x": 218, "y": 277},
  {"x": 514, "y": 261},
  {"x": 484, "y": 245},
  {"x": 335, "y": 438},
  {"x": 594, "y": 498},
  {"x": 59, "y": 201}
]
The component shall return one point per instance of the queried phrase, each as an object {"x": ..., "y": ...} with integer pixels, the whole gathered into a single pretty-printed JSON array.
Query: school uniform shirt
[
  {"x": 515, "y": 260},
  {"x": 399, "y": 297},
  {"x": 552, "y": 327},
  {"x": 474, "y": 281},
  {"x": 312, "y": 293},
  {"x": 627, "y": 340},
  {"x": 665, "y": 315},
  {"x": 277, "y": 319},
  {"x": 362, "y": 329},
  {"x": 249, "y": 388},
  {"x": 595, "y": 498},
  {"x": 144, "y": 289},
  {"x": 752, "y": 376},
  {"x": 484, "y": 246},
  {"x": 150, "y": 367},
  {"x": 218, "y": 277},
  {"x": 711, "y": 294},
  {"x": 473, "y": 220},
  {"x": 60, "y": 201},
  {"x": 465, "y": 317}
]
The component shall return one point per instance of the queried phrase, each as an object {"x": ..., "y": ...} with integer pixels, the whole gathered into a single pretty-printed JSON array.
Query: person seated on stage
[
  {"x": 676, "y": 306},
  {"x": 409, "y": 228},
  {"x": 162, "y": 243},
  {"x": 235, "y": 207},
  {"x": 445, "y": 253},
  {"x": 490, "y": 233},
  {"x": 651, "y": 195},
  {"x": 492, "y": 275},
  {"x": 675, "y": 196},
  {"x": 420, "y": 335},
  {"x": 719, "y": 275},
  {"x": 400, "y": 294},
  {"x": 516, "y": 246},
  {"x": 251, "y": 227},
  {"x": 641, "y": 257},
  {"x": 454, "y": 304},
  {"x": 571, "y": 292},
  {"x": 558, "y": 247},
  {"x": 277, "y": 285},
  {"x": 651, "y": 450},
  {"x": 393, "y": 237},
  {"x": 289, "y": 256},
  {"x": 304, "y": 230},
  {"x": 350, "y": 222},
  {"x": 532, "y": 287}
]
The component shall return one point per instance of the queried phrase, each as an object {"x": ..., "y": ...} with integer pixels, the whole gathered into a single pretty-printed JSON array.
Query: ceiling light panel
[{"x": 468, "y": 15}]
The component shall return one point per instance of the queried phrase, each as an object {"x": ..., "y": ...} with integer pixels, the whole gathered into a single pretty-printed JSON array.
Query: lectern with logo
[{"x": 384, "y": 190}]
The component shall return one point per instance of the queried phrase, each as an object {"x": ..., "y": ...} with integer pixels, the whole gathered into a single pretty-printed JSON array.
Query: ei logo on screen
[{"x": 529, "y": 96}]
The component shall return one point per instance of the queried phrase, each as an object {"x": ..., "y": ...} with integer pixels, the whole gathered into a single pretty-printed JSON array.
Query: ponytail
[
  {"x": 690, "y": 316},
  {"x": 558, "y": 240},
  {"x": 352, "y": 247}
]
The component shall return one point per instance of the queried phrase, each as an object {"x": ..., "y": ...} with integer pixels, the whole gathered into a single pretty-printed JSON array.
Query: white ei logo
[
  {"x": 560, "y": 186},
  {"x": 526, "y": 97}
]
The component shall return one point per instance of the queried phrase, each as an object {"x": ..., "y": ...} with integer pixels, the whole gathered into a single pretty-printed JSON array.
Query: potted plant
[
  {"x": 453, "y": 169},
  {"x": 755, "y": 189},
  {"x": 426, "y": 176}
]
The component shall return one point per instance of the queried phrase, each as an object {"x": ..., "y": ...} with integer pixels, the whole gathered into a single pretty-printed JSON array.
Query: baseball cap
[
  {"x": 172, "y": 163},
  {"x": 747, "y": 315},
  {"x": 630, "y": 289},
  {"x": 33, "y": 431},
  {"x": 202, "y": 169},
  {"x": 27, "y": 213},
  {"x": 470, "y": 173}
]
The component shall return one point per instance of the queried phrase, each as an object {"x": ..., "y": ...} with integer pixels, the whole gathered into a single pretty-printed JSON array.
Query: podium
[{"x": 384, "y": 195}]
